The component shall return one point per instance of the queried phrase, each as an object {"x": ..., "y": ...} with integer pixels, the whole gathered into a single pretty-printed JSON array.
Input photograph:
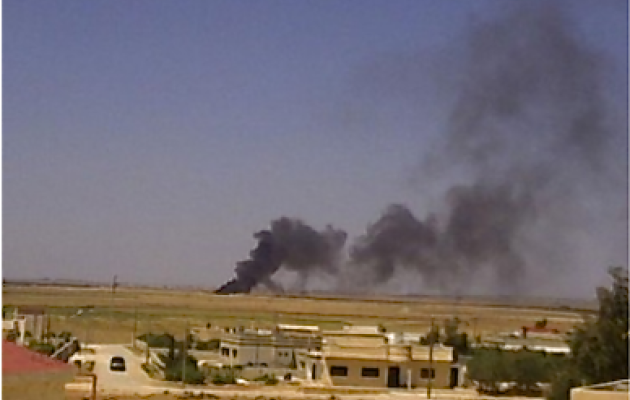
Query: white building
[{"x": 268, "y": 348}]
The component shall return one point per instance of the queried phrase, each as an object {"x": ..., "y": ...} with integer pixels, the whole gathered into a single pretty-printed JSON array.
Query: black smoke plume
[
  {"x": 479, "y": 233},
  {"x": 531, "y": 133},
  {"x": 290, "y": 244},
  {"x": 530, "y": 155}
]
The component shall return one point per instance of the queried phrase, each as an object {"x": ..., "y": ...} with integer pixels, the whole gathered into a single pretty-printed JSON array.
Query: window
[
  {"x": 302, "y": 364},
  {"x": 338, "y": 371},
  {"x": 234, "y": 352},
  {"x": 225, "y": 352},
  {"x": 370, "y": 372},
  {"x": 424, "y": 373}
]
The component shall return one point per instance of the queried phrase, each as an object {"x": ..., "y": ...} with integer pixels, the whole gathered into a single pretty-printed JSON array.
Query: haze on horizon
[{"x": 150, "y": 140}]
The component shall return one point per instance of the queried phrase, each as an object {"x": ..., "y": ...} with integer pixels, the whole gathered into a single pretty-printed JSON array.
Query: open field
[{"x": 111, "y": 318}]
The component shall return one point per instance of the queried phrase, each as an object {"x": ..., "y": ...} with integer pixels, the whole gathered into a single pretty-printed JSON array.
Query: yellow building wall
[
  {"x": 442, "y": 373},
  {"x": 585, "y": 394},
  {"x": 355, "y": 378}
]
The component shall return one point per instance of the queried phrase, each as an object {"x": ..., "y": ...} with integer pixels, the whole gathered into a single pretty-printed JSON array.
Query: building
[
  {"x": 617, "y": 390},
  {"x": 539, "y": 333},
  {"x": 365, "y": 357},
  {"x": 28, "y": 319},
  {"x": 30, "y": 375},
  {"x": 551, "y": 346},
  {"x": 268, "y": 348}
]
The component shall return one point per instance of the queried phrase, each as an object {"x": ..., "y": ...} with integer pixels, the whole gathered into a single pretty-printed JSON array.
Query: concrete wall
[
  {"x": 585, "y": 394},
  {"x": 354, "y": 377},
  {"x": 408, "y": 370},
  {"x": 35, "y": 386},
  {"x": 270, "y": 355},
  {"x": 442, "y": 373}
]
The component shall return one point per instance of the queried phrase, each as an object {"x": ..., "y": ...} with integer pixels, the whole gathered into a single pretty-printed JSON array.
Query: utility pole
[
  {"x": 431, "y": 340},
  {"x": 111, "y": 305},
  {"x": 135, "y": 324},
  {"x": 148, "y": 334},
  {"x": 183, "y": 354},
  {"x": 87, "y": 331}
]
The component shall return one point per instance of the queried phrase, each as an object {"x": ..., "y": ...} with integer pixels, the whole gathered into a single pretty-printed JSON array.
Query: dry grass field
[{"x": 111, "y": 318}]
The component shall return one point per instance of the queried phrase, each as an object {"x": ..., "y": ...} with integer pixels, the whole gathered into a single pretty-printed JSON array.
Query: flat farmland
[{"x": 97, "y": 315}]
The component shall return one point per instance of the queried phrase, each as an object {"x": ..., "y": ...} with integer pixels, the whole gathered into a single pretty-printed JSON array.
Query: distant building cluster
[{"x": 352, "y": 356}]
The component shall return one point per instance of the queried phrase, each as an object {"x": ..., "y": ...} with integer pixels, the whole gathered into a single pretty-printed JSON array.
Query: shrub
[
  {"x": 164, "y": 340},
  {"x": 268, "y": 379},
  {"x": 12, "y": 335},
  {"x": 490, "y": 367},
  {"x": 223, "y": 377},
  {"x": 44, "y": 348},
  {"x": 173, "y": 371}
]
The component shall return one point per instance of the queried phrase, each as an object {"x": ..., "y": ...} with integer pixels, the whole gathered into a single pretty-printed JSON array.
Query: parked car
[{"x": 117, "y": 364}]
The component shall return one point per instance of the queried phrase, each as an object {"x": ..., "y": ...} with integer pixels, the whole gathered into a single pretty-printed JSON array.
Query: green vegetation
[
  {"x": 599, "y": 346},
  {"x": 523, "y": 369},
  {"x": 452, "y": 337},
  {"x": 12, "y": 335},
  {"x": 268, "y": 379},
  {"x": 41, "y": 347},
  {"x": 599, "y": 352},
  {"x": 223, "y": 376},
  {"x": 175, "y": 368},
  {"x": 163, "y": 340}
]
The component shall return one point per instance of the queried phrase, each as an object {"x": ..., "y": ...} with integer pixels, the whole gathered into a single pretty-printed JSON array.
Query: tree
[
  {"x": 173, "y": 370},
  {"x": 455, "y": 339},
  {"x": 528, "y": 369},
  {"x": 489, "y": 367},
  {"x": 599, "y": 347},
  {"x": 432, "y": 337}
]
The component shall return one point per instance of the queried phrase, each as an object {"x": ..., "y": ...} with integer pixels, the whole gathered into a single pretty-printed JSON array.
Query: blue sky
[{"x": 150, "y": 139}]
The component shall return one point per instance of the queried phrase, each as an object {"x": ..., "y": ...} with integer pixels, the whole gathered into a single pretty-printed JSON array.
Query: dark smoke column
[
  {"x": 264, "y": 261},
  {"x": 291, "y": 244},
  {"x": 534, "y": 145}
]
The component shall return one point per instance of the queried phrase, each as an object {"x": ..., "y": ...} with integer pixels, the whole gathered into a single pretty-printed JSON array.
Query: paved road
[{"x": 131, "y": 379}]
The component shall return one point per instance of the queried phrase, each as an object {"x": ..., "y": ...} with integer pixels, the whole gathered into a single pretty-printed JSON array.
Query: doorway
[
  {"x": 454, "y": 377},
  {"x": 393, "y": 377}
]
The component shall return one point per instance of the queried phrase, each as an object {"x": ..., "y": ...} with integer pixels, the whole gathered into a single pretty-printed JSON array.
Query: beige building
[
  {"x": 270, "y": 348},
  {"x": 364, "y": 357},
  {"x": 617, "y": 390}
]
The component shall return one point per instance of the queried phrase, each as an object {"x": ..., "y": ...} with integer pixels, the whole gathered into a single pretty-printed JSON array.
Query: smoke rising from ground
[
  {"x": 532, "y": 140},
  {"x": 295, "y": 246}
]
